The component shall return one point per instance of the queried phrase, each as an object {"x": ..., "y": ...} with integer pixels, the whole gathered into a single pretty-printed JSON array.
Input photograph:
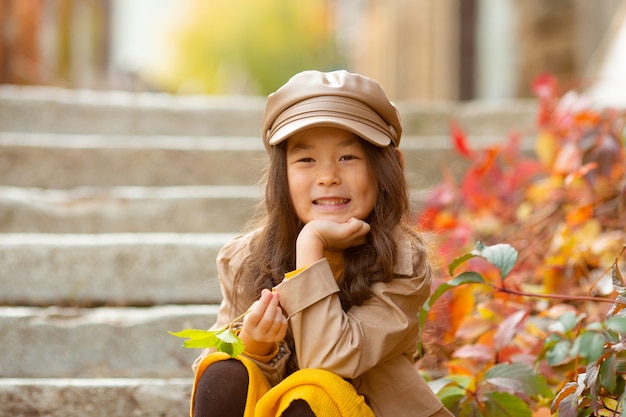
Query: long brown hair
[{"x": 272, "y": 252}]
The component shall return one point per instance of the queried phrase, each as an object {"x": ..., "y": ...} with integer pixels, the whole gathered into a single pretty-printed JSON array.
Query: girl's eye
[
  {"x": 348, "y": 157},
  {"x": 306, "y": 160}
]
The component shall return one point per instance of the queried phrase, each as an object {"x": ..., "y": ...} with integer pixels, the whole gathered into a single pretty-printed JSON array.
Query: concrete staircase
[{"x": 112, "y": 209}]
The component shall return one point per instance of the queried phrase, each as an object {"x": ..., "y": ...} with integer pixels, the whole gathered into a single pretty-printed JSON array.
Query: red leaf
[
  {"x": 545, "y": 86},
  {"x": 508, "y": 328},
  {"x": 477, "y": 352},
  {"x": 459, "y": 140}
]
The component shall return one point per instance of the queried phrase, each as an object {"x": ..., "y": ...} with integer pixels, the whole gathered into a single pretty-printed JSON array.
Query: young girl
[{"x": 332, "y": 278}]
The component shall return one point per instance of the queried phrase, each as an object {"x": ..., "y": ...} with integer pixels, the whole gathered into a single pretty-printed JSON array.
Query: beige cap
[{"x": 339, "y": 99}]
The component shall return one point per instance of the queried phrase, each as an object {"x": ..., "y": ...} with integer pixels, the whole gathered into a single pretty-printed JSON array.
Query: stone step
[
  {"x": 191, "y": 209},
  {"x": 68, "y": 161},
  {"x": 186, "y": 209},
  {"x": 56, "y": 110},
  {"x": 45, "y": 109},
  {"x": 109, "y": 269},
  {"x": 65, "y": 161},
  {"x": 104, "y": 342},
  {"x": 95, "y": 397}
]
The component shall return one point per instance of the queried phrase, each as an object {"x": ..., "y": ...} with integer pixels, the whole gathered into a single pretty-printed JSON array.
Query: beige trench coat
[{"x": 372, "y": 344}]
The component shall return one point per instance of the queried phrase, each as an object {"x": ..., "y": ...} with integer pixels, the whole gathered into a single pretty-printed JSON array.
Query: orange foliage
[{"x": 564, "y": 210}]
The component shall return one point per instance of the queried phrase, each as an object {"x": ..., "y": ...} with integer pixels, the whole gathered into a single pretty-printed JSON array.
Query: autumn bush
[{"x": 528, "y": 318}]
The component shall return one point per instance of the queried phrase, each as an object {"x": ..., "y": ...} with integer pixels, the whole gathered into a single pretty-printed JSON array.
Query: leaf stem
[{"x": 229, "y": 325}]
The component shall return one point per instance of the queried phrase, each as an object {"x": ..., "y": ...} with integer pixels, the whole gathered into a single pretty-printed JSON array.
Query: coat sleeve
[
  {"x": 229, "y": 259},
  {"x": 351, "y": 343}
]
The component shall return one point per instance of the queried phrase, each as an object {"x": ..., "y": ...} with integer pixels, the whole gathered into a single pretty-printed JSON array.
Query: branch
[{"x": 556, "y": 296}]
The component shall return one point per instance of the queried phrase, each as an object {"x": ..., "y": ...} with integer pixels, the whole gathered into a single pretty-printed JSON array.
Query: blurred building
[
  {"x": 483, "y": 49},
  {"x": 418, "y": 49}
]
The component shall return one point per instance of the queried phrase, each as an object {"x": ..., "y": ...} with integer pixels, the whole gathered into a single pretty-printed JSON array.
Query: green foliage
[
  {"x": 494, "y": 393},
  {"x": 600, "y": 345},
  {"x": 503, "y": 256},
  {"x": 222, "y": 340},
  {"x": 246, "y": 46}
]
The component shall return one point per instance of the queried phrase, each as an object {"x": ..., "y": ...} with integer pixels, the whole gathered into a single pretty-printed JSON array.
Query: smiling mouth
[{"x": 331, "y": 201}]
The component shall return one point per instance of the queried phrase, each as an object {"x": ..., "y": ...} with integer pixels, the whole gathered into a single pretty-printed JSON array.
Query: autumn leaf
[
  {"x": 579, "y": 215},
  {"x": 518, "y": 378},
  {"x": 545, "y": 85},
  {"x": 464, "y": 278},
  {"x": 223, "y": 340},
  {"x": 566, "y": 401},
  {"x": 560, "y": 208},
  {"x": 546, "y": 147},
  {"x": 508, "y": 328},
  {"x": 459, "y": 140},
  {"x": 620, "y": 288}
]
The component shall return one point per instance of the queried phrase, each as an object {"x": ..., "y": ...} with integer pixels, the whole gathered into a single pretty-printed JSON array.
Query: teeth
[{"x": 331, "y": 202}]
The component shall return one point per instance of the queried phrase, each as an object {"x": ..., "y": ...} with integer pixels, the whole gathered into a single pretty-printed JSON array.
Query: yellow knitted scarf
[{"x": 328, "y": 395}]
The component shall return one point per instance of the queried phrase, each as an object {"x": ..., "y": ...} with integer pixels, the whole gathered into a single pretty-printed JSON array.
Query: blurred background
[
  {"x": 418, "y": 49},
  {"x": 130, "y": 154}
]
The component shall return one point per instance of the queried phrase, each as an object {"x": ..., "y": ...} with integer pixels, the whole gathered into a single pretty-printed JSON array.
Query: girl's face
[{"x": 328, "y": 175}]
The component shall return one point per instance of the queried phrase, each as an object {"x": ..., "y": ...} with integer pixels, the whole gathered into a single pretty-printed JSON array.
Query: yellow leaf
[
  {"x": 471, "y": 328},
  {"x": 543, "y": 190},
  {"x": 546, "y": 147}
]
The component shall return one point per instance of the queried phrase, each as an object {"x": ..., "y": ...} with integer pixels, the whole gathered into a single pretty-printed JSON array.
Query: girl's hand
[
  {"x": 320, "y": 235},
  {"x": 264, "y": 325}
]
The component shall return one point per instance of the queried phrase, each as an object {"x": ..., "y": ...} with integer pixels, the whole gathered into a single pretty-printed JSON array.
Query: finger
[
  {"x": 258, "y": 308},
  {"x": 266, "y": 321},
  {"x": 360, "y": 226},
  {"x": 279, "y": 329}
]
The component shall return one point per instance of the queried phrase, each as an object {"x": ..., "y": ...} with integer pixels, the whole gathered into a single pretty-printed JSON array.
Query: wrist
[
  {"x": 255, "y": 347},
  {"x": 309, "y": 249}
]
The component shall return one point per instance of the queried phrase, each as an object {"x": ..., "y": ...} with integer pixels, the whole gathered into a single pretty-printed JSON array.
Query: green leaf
[
  {"x": 503, "y": 404},
  {"x": 229, "y": 343},
  {"x": 467, "y": 409},
  {"x": 191, "y": 333},
  {"x": 452, "y": 401},
  {"x": 590, "y": 345},
  {"x": 617, "y": 323},
  {"x": 223, "y": 340},
  {"x": 518, "y": 378},
  {"x": 559, "y": 353},
  {"x": 608, "y": 373},
  {"x": 502, "y": 255},
  {"x": 458, "y": 261},
  {"x": 201, "y": 342},
  {"x": 569, "y": 320},
  {"x": 451, "y": 393}
]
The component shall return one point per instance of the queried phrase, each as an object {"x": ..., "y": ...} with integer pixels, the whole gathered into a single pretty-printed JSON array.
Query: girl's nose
[{"x": 328, "y": 175}]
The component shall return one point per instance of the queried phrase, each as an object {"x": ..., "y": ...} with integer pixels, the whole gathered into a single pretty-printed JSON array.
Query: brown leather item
[{"x": 339, "y": 99}]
